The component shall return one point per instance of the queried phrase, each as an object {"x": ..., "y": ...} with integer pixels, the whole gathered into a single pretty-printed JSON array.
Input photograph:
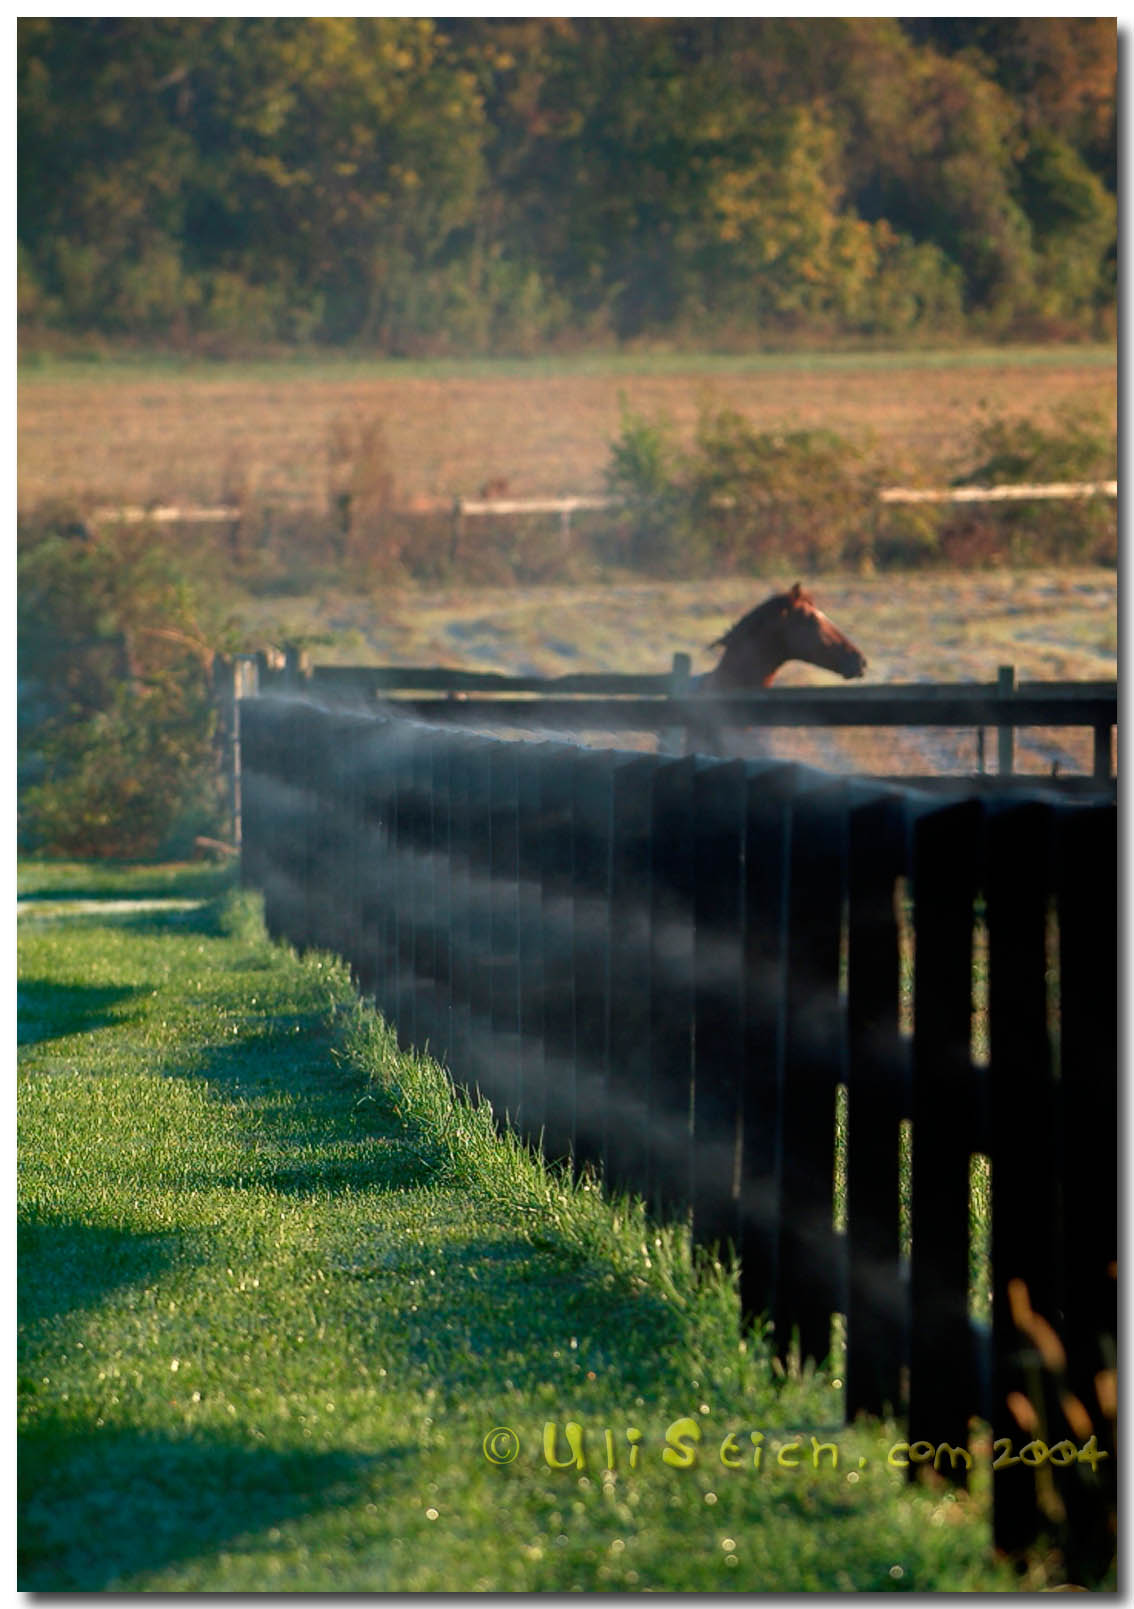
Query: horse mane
[{"x": 756, "y": 619}]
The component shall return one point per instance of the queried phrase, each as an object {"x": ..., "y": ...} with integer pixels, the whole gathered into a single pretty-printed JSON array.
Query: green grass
[
  {"x": 277, "y": 1284},
  {"x": 326, "y": 364},
  {"x": 109, "y": 879}
]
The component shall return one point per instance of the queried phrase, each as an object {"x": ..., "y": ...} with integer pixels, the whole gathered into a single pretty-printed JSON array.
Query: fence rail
[
  {"x": 588, "y": 701},
  {"x": 459, "y": 507},
  {"x": 676, "y": 969}
]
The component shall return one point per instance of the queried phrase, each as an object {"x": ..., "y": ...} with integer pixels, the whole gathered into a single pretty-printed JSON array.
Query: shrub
[
  {"x": 771, "y": 496},
  {"x": 117, "y": 715},
  {"x": 1078, "y": 445},
  {"x": 742, "y": 499}
]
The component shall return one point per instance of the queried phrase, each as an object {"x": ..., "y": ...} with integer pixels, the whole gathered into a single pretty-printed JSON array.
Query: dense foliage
[
  {"x": 117, "y": 711},
  {"x": 475, "y": 185}
]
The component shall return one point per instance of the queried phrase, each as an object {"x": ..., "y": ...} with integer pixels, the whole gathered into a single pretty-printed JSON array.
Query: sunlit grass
[{"x": 278, "y": 1283}]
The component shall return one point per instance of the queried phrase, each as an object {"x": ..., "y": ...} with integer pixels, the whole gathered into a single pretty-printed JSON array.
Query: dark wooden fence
[{"x": 745, "y": 990}]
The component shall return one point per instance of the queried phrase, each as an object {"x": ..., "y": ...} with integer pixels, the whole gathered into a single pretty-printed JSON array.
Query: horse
[{"x": 785, "y": 626}]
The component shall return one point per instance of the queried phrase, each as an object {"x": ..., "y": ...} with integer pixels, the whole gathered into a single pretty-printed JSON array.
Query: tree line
[{"x": 418, "y": 186}]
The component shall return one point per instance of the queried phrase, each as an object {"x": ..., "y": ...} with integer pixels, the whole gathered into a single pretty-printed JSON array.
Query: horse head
[{"x": 786, "y": 626}]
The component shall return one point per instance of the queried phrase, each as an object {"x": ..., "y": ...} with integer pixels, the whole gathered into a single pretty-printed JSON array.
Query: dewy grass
[{"x": 287, "y": 1306}]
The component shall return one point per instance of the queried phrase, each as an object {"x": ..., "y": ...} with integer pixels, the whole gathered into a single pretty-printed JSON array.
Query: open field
[
  {"x": 278, "y": 1285},
  {"x": 1052, "y": 625},
  {"x": 198, "y": 432}
]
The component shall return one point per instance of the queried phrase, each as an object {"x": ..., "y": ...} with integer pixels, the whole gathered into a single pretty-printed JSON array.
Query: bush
[
  {"x": 1078, "y": 446},
  {"x": 743, "y": 499},
  {"x": 117, "y": 713}
]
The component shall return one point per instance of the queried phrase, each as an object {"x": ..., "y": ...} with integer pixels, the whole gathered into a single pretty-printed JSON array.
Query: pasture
[
  {"x": 135, "y": 432},
  {"x": 279, "y": 1284}
]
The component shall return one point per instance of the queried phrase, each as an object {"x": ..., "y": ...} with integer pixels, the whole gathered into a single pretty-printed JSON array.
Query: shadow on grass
[
  {"x": 64, "y": 1265},
  {"x": 54, "y": 880},
  {"x": 488, "y": 1313},
  {"x": 47, "y": 1011},
  {"x": 206, "y": 921},
  {"x": 98, "y": 1507},
  {"x": 474, "y": 1287},
  {"x": 310, "y": 1128}
]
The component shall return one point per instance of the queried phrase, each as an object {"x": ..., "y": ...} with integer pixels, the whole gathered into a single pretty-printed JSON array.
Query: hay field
[{"x": 198, "y": 432}]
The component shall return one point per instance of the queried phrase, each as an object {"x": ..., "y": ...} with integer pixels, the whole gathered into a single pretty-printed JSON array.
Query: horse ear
[{"x": 795, "y": 592}]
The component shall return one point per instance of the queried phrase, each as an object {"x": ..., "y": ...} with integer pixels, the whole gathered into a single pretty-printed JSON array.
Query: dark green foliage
[
  {"x": 117, "y": 709},
  {"x": 417, "y": 186}
]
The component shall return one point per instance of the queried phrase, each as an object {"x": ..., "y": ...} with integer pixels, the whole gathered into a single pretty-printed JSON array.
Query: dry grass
[{"x": 199, "y": 432}]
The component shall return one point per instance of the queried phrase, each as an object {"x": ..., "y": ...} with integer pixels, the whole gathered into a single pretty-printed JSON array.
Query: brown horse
[{"x": 787, "y": 626}]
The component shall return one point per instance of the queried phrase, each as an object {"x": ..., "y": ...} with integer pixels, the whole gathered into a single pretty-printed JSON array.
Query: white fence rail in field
[{"x": 462, "y": 507}]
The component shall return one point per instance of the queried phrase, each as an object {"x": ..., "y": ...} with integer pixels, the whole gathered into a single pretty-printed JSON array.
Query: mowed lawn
[{"x": 278, "y": 1289}]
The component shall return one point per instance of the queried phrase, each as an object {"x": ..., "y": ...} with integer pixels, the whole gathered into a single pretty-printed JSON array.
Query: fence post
[
  {"x": 1006, "y": 732},
  {"x": 1101, "y": 765},
  {"x": 671, "y": 740},
  {"x": 242, "y": 682},
  {"x": 297, "y": 666}
]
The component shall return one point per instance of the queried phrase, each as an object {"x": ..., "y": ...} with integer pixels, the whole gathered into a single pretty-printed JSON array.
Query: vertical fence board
[
  {"x": 480, "y": 1069},
  {"x": 406, "y": 873},
  {"x": 424, "y": 893},
  {"x": 460, "y": 768},
  {"x": 378, "y": 901},
  {"x": 718, "y": 1039},
  {"x": 943, "y": 1382},
  {"x": 557, "y": 890},
  {"x": 531, "y": 1108},
  {"x": 441, "y": 851},
  {"x": 348, "y": 779},
  {"x": 877, "y": 1097},
  {"x": 627, "y": 1149},
  {"x": 768, "y": 791},
  {"x": 809, "y": 1286},
  {"x": 591, "y": 827},
  {"x": 671, "y": 1003},
  {"x": 1087, "y": 852},
  {"x": 1026, "y": 1240},
  {"x": 504, "y": 915}
]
